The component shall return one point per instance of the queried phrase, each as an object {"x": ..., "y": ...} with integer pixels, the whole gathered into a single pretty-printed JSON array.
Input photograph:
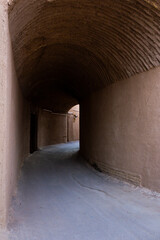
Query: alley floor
[{"x": 59, "y": 197}]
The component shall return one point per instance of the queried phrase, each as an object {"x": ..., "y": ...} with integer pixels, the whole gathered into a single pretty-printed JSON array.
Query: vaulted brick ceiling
[{"x": 65, "y": 49}]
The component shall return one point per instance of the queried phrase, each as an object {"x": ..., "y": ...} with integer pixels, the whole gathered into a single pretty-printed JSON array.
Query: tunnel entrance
[
  {"x": 73, "y": 124},
  {"x": 50, "y": 128},
  {"x": 33, "y": 132}
]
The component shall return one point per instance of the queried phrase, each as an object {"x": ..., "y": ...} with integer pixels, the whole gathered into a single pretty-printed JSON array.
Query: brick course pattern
[{"x": 81, "y": 46}]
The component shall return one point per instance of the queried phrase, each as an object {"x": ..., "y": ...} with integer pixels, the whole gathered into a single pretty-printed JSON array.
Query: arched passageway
[
  {"x": 64, "y": 50},
  {"x": 102, "y": 55},
  {"x": 69, "y": 52},
  {"x": 73, "y": 124}
]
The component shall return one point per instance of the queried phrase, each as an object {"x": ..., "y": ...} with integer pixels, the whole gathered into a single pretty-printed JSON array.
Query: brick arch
[{"x": 70, "y": 48}]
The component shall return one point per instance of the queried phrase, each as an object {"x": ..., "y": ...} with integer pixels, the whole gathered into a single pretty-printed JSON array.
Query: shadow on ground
[{"x": 60, "y": 198}]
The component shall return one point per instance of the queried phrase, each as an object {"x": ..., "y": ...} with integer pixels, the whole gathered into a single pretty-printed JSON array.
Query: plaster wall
[
  {"x": 120, "y": 129},
  {"x": 14, "y": 127},
  {"x": 52, "y": 128},
  {"x": 73, "y": 124}
]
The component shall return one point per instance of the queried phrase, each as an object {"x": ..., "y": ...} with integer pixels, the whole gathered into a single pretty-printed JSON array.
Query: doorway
[{"x": 33, "y": 132}]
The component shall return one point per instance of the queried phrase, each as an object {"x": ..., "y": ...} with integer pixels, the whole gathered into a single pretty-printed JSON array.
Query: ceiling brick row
[{"x": 65, "y": 49}]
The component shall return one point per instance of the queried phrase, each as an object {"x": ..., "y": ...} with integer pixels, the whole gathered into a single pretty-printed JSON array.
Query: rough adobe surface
[
  {"x": 75, "y": 47},
  {"x": 52, "y": 128},
  {"x": 14, "y": 119},
  {"x": 120, "y": 129}
]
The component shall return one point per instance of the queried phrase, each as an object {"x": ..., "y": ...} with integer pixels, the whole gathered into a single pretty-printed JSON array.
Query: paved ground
[{"x": 60, "y": 198}]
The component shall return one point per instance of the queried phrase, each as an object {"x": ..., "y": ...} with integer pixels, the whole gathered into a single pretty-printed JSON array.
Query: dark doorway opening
[{"x": 33, "y": 132}]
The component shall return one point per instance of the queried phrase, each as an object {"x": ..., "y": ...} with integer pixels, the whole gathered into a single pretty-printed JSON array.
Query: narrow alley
[{"x": 60, "y": 197}]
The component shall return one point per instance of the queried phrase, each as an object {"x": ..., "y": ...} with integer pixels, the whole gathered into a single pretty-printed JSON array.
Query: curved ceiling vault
[{"x": 65, "y": 49}]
